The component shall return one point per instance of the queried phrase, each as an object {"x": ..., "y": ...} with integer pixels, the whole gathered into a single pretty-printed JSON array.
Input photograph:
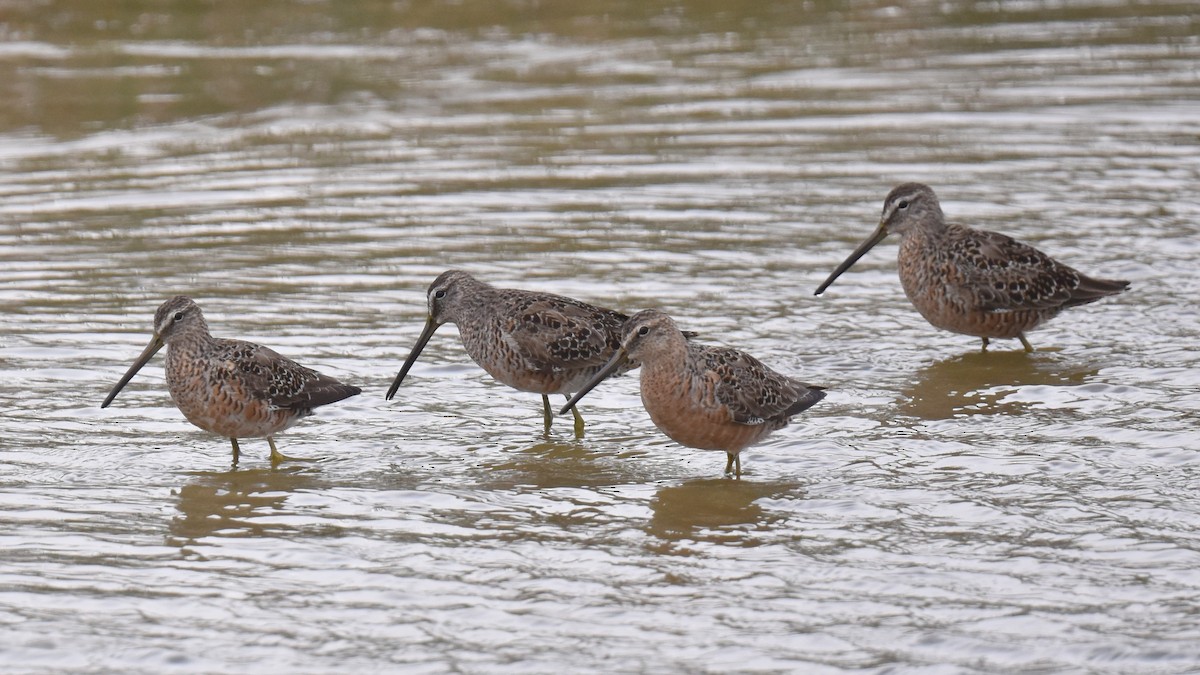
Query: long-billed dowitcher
[
  {"x": 230, "y": 387},
  {"x": 536, "y": 342},
  {"x": 705, "y": 397},
  {"x": 974, "y": 282}
]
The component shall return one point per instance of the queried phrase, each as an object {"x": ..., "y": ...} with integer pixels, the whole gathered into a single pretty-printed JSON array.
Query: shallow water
[{"x": 304, "y": 171}]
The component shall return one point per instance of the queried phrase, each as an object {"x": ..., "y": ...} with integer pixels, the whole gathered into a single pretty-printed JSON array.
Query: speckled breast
[
  {"x": 222, "y": 407},
  {"x": 938, "y": 290}
]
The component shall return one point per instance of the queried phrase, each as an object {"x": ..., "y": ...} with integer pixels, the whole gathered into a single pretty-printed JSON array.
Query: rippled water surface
[{"x": 304, "y": 170}]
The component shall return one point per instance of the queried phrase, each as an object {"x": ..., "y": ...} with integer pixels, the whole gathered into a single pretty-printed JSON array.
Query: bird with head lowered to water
[{"x": 702, "y": 396}]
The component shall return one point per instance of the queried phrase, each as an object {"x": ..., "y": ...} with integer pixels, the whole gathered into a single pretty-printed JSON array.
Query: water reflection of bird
[
  {"x": 711, "y": 398},
  {"x": 237, "y": 503},
  {"x": 536, "y": 342},
  {"x": 976, "y": 382},
  {"x": 713, "y": 509},
  {"x": 972, "y": 281},
  {"x": 229, "y": 387}
]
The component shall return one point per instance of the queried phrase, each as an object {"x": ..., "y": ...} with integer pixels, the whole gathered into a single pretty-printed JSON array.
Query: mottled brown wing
[
  {"x": 1003, "y": 274},
  {"x": 561, "y": 333},
  {"x": 285, "y": 384},
  {"x": 754, "y": 393}
]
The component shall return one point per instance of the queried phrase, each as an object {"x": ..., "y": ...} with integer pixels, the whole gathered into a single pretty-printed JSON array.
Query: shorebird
[
  {"x": 974, "y": 282},
  {"x": 704, "y": 397},
  {"x": 535, "y": 342},
  {"x": 232, "y": 388}
]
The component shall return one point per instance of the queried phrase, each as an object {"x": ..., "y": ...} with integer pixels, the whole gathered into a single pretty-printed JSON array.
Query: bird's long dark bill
[
  {"x": 151, "y": 349},
  {"x": 876, "y": 237},
  {"x": 430, "y": 328},
  {"x": 613, "y": 364}
]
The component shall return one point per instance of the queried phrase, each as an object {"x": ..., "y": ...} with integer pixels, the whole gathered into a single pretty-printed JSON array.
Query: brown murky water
[{"x": 304, "y": 170}]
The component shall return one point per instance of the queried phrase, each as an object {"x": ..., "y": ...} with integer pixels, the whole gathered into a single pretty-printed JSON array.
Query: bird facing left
[{"x": 232, "y": 388}]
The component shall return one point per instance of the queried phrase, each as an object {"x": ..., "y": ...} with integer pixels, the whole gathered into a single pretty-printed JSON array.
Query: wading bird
[
  {"x": 705, "y": 397},
  {"x": 974, "y": 282},
  {"x": 232, "y": 388}
]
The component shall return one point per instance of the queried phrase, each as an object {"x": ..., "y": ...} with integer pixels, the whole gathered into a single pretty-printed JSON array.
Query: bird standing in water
[
  {"x": 974, "y": 282},
  {"x": 531, "y": 341},
  {"x": 232, "y": 388},
  {"x": 704, "y": 397}
]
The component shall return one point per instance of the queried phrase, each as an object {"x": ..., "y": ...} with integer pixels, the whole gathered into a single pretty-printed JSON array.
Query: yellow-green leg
[
  {"x": 1024, "y": 342},
  {"x": 277, "y": 456},
  {"x": 734, "y": 465},
  {"x": 578, "y": 420},
  {"x": 547, "y": 415},
  {"x": 237, "y": 452},
  {"x": 985, "y": 345}
]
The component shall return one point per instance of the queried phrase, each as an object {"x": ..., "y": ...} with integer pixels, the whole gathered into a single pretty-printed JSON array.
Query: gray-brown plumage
[
  {"x": 536, "y": 342},
  {"x": 972, "y": 281},
  {"x": 230, "y": 387},
  {"x": 710, "y": 398}
]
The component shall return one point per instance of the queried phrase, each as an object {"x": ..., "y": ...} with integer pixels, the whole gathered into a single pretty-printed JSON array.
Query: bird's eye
[
  {"x": 439, "y": 294},
  {"x": 179, "y": 316},
  {"x": 903, "y": 204},
  {"x": 644, "y": 330}
]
